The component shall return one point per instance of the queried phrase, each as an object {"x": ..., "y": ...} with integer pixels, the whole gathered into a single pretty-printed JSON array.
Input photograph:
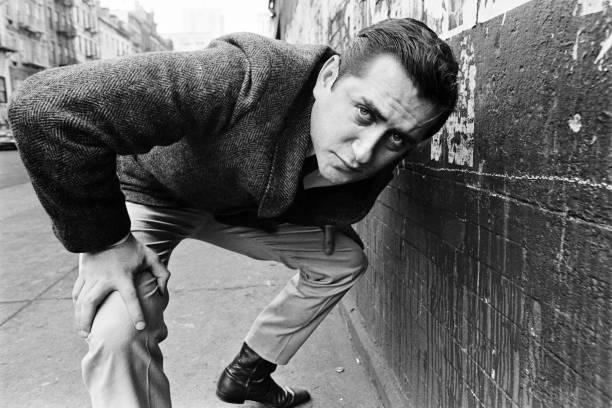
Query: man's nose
[{"x": 365, "y": 144}]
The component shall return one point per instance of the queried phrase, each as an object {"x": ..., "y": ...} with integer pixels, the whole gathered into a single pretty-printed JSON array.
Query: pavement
[{"x": 214, "y": 296}]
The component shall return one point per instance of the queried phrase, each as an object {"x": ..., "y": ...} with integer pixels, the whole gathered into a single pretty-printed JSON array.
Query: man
[{"x": 264, "y": 148}]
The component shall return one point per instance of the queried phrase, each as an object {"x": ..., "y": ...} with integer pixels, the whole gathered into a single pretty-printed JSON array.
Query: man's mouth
[{"x": 346, "y": 164}]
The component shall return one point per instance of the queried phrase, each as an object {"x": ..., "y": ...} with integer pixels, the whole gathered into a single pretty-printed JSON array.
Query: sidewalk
[{"x": 207, "y": 320}]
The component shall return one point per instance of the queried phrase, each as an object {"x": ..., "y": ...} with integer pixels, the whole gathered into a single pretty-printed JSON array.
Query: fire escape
[{"x": 66, "y": 31}]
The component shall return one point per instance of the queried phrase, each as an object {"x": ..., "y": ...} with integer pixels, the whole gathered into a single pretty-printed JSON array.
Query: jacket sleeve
[{"x": 70, "y": 123}]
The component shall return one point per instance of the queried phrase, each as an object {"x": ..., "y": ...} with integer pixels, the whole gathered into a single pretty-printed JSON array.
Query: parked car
[{"x": 7, "y": 140}]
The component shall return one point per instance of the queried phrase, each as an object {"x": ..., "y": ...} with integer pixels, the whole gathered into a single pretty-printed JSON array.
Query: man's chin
[{"x": 335, "y": 176}]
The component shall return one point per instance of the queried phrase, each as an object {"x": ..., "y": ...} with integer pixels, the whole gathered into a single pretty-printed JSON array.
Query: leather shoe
[{"x": 247, "y": 377}]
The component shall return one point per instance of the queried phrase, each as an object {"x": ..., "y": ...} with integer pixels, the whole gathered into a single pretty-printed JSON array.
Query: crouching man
[{"x": 264, "y": 148}]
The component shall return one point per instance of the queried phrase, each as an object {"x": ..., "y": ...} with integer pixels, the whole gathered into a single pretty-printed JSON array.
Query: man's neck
[{"x": 315, "y": 179}]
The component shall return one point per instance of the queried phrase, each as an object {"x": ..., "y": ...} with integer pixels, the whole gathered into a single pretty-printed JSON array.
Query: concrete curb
[{"x": 383, "y": 378}]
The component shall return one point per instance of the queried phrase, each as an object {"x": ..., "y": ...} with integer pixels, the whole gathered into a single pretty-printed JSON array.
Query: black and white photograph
[{"x": 305, "y": 203}]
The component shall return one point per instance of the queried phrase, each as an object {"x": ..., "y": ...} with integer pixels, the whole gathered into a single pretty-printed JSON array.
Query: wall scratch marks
[
  {"x": 575, "y": 49},
  {"x": 492, "y": 8},
  {"x": 605, "y": 47},
  {"x": 533, "y": 177}
]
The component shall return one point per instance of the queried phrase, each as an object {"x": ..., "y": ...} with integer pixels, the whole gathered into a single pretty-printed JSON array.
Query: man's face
[{"x": 365, "y": 122}]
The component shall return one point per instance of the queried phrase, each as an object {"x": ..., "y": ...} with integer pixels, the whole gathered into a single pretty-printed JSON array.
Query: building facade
[
  {"x": 63, "y": 50},
  {"x": 8, "y": 46},
  {"x": 144, "y": 31},
  {"x": 39, "y": 34},
  {"x": 114, "y": 34},
  {"x": 85, "y": 16},
  {"x": 25, "y": 29}
]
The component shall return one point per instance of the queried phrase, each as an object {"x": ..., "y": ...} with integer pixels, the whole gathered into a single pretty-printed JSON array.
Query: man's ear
[{"x": 327, "y": 75}]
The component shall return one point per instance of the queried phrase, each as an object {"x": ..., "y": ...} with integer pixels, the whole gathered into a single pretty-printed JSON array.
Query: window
[
  {"x": 53, "y": 51},
  {"x": 2, "y": 90}
]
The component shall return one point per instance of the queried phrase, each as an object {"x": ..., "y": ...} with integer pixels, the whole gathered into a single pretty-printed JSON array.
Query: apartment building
[
  {"x": 85, "y": 19},
  {"x": 26, "y": 34},
  {"x": 146, "y": 38},
  {"x": 38, "y": 34},
  {"x": 114, "y": 35},
  {"x": 23, "y": 46},
  {"x": 63, "y": 29}
]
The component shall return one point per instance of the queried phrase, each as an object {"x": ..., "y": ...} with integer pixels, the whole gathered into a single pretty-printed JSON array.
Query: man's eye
[
  {"x": 365, "y": 115},
  {"x": 395, "y": 141}
]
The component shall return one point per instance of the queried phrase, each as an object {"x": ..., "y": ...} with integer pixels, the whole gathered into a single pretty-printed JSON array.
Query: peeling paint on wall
[
  {"x": 395, "y": 8},
  {"x": 584, "y": 7},
  {"x": 436, "y": 146},
  {"x": 575, "y": 123},
  {"x": 309, "y": 33},
  {"x": 451, "y": 18},
  {"x": 492, "y": 8},
  {"x": 605, "y": 47},
  {"x": 458, "y": 132}
]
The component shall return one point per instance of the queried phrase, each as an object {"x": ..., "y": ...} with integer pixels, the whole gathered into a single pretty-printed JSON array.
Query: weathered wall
[{"x": 490, "y": 273}]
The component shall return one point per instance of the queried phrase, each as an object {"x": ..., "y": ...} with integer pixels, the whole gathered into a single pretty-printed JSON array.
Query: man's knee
[
  {"x": 357, "y": 262},
  {"x": 113, "y": 330},
  {"x": 352, "y": 255}
]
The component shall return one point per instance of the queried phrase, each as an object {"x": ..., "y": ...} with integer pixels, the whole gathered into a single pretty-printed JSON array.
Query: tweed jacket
[{"x": 224, "y": 129}]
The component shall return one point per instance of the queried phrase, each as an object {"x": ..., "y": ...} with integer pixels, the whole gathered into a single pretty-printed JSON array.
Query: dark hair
[{"x": 428, "y": 60}]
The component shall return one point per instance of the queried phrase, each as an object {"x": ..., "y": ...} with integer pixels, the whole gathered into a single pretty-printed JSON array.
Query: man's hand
[{"x": 113, "y": 269}]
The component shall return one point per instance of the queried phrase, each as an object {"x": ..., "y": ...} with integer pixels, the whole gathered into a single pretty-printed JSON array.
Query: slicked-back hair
[{"x": 427, "y": 59}]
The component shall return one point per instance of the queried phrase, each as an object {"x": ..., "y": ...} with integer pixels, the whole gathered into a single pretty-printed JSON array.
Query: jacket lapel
[{"x": 290, "y": 151}]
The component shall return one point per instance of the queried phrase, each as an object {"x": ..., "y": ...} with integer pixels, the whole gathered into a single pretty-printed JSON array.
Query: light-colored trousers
[{"x": 124, "y": 367}]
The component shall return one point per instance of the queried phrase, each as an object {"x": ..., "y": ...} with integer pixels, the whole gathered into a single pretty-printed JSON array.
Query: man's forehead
[{"x": 385, "y": 86}]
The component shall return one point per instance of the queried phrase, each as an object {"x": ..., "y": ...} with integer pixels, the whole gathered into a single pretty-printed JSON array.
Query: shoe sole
[
  {"x": 233, "y": 400},
  {"x": 229, "y": 399}
]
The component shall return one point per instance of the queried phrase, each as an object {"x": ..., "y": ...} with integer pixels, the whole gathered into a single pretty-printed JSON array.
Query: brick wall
[{"x": 490, "y": 273}]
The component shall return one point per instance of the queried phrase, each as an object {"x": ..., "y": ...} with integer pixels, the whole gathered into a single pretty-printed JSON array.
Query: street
[
  {"x": 12, "y": 171},
  {"x": 215, "y": 295}
]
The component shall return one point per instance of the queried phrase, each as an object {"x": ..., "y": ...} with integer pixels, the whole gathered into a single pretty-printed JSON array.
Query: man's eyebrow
[
  {"x": 370, "y": 105},
  {"x": 372, "y": 108}
]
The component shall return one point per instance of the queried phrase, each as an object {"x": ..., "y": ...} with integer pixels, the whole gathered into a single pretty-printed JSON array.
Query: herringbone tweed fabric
[{"x": 224, "y": 129}]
